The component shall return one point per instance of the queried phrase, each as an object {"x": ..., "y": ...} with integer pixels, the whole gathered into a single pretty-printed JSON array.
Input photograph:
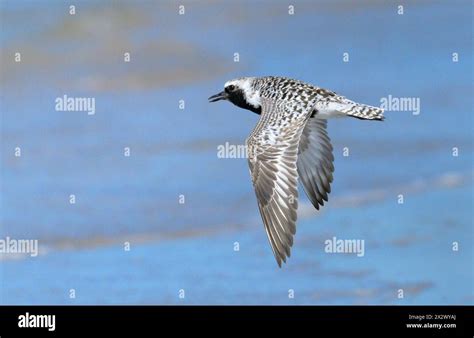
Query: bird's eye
[{"x": 230, "y": 88}]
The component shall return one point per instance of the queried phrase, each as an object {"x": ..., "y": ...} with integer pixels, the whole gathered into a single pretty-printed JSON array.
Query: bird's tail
[{"x": 363, "y": 112}]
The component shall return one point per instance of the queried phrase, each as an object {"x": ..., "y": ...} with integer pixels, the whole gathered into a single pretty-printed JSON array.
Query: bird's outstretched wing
[
  {"x": 315, "y": 161},
  {"x": 273, "y": 150}
]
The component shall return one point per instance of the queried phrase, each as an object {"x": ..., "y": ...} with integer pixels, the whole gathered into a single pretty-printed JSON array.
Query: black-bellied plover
[{"x": 289, "y": 141}]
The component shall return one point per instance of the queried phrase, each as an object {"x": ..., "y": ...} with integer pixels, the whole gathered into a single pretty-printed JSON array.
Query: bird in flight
[{"x": 290, "y": 141}]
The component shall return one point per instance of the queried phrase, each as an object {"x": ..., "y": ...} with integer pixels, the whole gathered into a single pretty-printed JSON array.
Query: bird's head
[{"x": 242, "y": 93}]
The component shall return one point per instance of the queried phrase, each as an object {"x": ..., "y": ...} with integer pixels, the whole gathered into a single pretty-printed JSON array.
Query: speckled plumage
[{"x": 290, "y": 141}]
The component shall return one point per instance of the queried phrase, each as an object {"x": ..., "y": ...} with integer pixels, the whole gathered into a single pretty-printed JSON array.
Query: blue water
[{"x": 190, "y": 246}]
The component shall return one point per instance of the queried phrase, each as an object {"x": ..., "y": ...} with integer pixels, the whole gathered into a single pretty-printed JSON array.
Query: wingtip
[
  {"x": 381, "y": 115},
  {"x": 279, "y": 260},
  {"x": 282, "y": 259}
]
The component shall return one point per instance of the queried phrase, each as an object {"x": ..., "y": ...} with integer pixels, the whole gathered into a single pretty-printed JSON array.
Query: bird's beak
[{"x": 217, "y": 97}]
